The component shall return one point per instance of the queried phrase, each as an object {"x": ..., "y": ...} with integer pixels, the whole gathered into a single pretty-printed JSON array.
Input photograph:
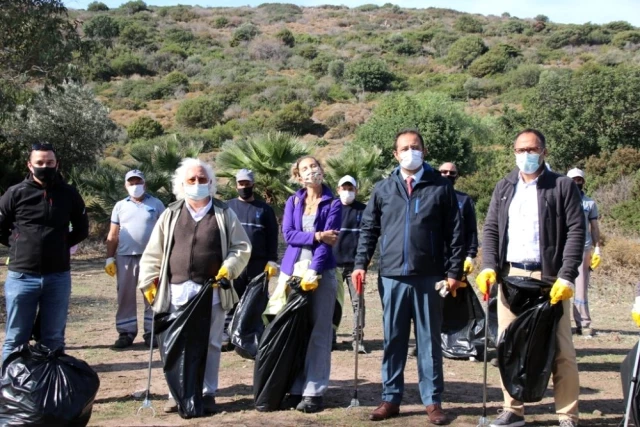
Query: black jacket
[
  {"x": 469, "y": 224},
  {"x": 562, "y": 225},
  {"x": 259, "y": 222},
  {"x": 421, "y": 234},
  {"x": 34, "y": 223},
  {"x": 345, "y": 248}
]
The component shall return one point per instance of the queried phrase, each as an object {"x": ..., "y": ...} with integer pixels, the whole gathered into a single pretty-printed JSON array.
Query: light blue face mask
[
  {"x": 196, "y": 191},
  {"x": 528, "y": 163}
]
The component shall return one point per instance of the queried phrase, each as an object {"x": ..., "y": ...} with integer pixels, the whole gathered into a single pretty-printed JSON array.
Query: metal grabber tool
[
  {"x": 484, "y": 422},
  {"x": 146, "y": 404},
  {"x": 354, "y": 401}
]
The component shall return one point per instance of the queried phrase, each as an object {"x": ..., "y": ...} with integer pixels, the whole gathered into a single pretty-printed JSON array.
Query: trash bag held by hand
[
  {"x": 183, "y": 340},
  {"x": 626, "y": 375},
  {"x": 522, "y": 292},
  {"x": 282, "y": 350},
  {"x": 462, "y": 325},
  {"x": 526, "y": 351},
  {"x": 246, "y": 327},
  {"x": 40, "y": 387}
]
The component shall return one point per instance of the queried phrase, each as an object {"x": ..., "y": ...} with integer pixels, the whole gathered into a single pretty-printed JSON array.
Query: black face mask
[
  {"x": 452, "y": 179},
  {"x": 46, "y": 175},
  {"x": 580, "y": 186},
  {"x": 246, "y": 192}
]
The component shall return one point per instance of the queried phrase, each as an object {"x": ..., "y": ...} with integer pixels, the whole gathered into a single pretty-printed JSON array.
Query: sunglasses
[
  {"x": 42, "y": 147},
  {"x": 450, "y": 173}
]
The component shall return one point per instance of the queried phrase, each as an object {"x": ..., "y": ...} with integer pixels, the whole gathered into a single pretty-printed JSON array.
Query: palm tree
[
  {"x": 358, "y": 162},
  {"x": 270, "y": 157}
]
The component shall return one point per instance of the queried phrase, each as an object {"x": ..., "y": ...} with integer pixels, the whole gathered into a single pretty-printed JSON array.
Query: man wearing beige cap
[{"x": 590, "y": 261}]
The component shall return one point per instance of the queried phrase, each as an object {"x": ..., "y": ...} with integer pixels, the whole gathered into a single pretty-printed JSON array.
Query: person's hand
[
  {"x": 271, "y": 269},
  {"x": 330, "y": 237},
  {"x": 223, "y": 273},
  {"x": 359, "y": 277},
  {"x": 561, "y": 290},
  {"x": 485, "y": 280},
  {"x": 596, "y": 259},
  {"x": 150, "y": 291},
  {"x": 453, "y": 285},
  {"x": 359, "y": 283},
  {"x": 309, "y": 281},
  {"x": 468, "y": 266},
  {"x": 110, "y": 267}
]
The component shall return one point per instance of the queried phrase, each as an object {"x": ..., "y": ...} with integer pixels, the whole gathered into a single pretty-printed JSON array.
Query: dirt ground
[{"x": 91, "y": 331}]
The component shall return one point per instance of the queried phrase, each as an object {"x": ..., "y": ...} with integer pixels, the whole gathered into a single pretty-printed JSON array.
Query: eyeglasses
[
  {"x": 42, "y": 147},
  {"x": 450, "y": 173},
  {"x": 528, "y": 150}
]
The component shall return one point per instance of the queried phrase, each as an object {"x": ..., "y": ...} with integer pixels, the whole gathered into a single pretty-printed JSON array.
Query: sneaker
[
  {"x": 147, "y": 341},
  {"x": 290, "y": 402},
  {"x": 171, "y": 406},
  {"x": 508, "y": 419},
  {"x": 494, "y": 362},
  {"x": 310, "y": 404},
  {"x": 361, "y": 348},
  {"x": 588, "y": 333},
  {"x": 567, "y": 423},
  {"x": 578, "y": 331},
  {"x": 209, "y": 404},
  {"x": 123, "y": 341}
]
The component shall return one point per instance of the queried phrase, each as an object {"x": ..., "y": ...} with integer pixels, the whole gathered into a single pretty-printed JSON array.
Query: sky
[{"x": 561, "y": 11}]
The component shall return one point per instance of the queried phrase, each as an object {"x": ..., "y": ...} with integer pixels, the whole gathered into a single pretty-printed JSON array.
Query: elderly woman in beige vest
[{"x": 195, "y": 239}]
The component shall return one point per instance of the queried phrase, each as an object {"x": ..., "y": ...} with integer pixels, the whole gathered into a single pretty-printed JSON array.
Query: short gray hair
[{"x": 180, "y": 174}]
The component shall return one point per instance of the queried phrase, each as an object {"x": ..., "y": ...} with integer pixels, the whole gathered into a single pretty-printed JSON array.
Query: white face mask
[
  {"x": 346, "y": 197},
  {"x": 196, "y": 191},
  {"x": 313, "y": 177},
  {"x": 135, "y": 191},
  {"x": 528, "y": 163},
  {"x": 411, "y": 159}
]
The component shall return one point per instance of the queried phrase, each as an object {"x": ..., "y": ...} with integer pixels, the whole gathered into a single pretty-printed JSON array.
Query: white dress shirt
[
  {"x": 416, "y": 177},
  {"x": 524, "y": 225},
  {"x": 181, "y": 293}
]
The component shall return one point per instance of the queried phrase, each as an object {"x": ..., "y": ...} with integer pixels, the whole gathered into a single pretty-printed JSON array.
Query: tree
[
  {"x": 102, "y": 28},
  {"x": 541, "y": 18},
  {"x": 144, "y": 127},
  {"x": 134, "y": 6},
  {"x": 201, "y": 112},
  {"x": 369, "y": 74},
  {"x": 96, "y": 6},
  {"x": 270, "y": 157},
  {"x": 360, "y": 163},
  {"x": 465, "y": 50}
]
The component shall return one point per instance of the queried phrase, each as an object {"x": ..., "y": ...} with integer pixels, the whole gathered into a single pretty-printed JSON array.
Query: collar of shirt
[
  {"x": 130, "y": 199},
  {"x": 521, "y": 182},
  {"x": 416, "y": 177},
  {"x": 197, "y": 216}
]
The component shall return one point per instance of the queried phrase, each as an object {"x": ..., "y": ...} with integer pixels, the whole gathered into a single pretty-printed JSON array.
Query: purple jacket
[{"x": 328, "y": 217}]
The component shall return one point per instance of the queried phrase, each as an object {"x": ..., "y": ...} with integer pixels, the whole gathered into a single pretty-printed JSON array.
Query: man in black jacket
[
  {"x": 535, "y": 227},
  {"x": 345, "y": 248},
  {"x": 415, "y": 213},
  {"x": 34, "y": 223}
]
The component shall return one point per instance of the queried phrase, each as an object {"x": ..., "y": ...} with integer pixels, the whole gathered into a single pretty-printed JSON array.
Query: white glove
[{"x": 442, "y": 288}]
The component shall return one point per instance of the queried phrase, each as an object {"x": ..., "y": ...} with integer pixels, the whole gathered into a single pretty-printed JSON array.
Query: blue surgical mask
[
  {"x": 528, "y": 163},
  {"x": 196, "y": 191}
]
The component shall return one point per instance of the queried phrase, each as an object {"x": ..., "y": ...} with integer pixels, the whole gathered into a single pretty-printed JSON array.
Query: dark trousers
[
  {"x": 254, "y": 268},
  {"x": 406, "y": 298}
]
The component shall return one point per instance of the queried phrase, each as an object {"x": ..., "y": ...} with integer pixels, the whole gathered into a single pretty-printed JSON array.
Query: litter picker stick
[
  {"x": 632, "y": 386},
  {"x": 354, "y": 401},
  {"x": 146, "y": 404},
  {"x": 484, "y": 422}
]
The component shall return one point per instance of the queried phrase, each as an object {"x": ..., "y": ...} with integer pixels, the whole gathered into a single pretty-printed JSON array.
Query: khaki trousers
[{"x": 566, "y": 386}]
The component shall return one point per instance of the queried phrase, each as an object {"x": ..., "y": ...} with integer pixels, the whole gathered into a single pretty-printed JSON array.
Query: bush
[
  {"x": 335, "y": 119},
  {"x": 541, "y": 18},
  {"x": 174, "y": 49},
  {"x": 179, "y": 36},
  {"x": 293, "y": 118},
  {"x": 494, "y": 61},
  {"x": 244, "y": 33},
  {"x": 468, "y": 24},
  {"x": 144, "y": 127},
  {"x": 514, "y": 26},
  {"x": 217, "y": 136},
  {"x": 465, "y": 50},
  {"x": 616, "y": 26},
  {"x": 220, "y": 22},
  {"x": 127, "y": 64},
  {"x": 625, "y": 38},
  {"x": 307, "y": 52},
  {"x": 441, "y": 42},
  {"x": 525, "y": 76},
  {"x": 368, "y": 7},
  {"x": 201, "y": 112},
  {"x": 269, "y": 50},
  {"x": 176, "y": 79},
  {"x": 369, "y": 74},
  {"x": 134, "y": 6},
  {"x": 320, "y": 65},
  {"x": 573, "y": 36},
  {"x": 134, "y": 35},
  {"x": 286, "y": 37},
  {"x": 102, "y": 27},
  {"x": 183, "y": 14},
  {"x": 336, "y": 69},
  {"x": 96, "y": 6}
]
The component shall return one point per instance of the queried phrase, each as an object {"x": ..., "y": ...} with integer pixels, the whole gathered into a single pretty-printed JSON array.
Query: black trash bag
[
  {"x": 626, "y": 375},
  {"x": 183, "y": 340},
  {"x": 247, "y": 326},
  {"x": 462, "y": 325},
  {"x": 40, "y": 387},
  {"x": 282, "y": 350},
  {"x": 522, "y": 292},
  {"x": 526, "y": 351}
]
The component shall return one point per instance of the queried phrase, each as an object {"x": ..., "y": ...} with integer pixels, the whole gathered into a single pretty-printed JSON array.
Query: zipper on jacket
[{"x": 406, "y": 237}]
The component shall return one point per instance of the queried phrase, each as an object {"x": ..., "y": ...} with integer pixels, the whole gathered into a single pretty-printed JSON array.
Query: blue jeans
[
  {"x": 405, "y": 298},
  {"x": 26, "y": 292}
]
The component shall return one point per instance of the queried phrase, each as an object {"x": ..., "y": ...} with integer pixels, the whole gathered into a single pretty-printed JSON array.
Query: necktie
[{"x": 409, "y": 186}]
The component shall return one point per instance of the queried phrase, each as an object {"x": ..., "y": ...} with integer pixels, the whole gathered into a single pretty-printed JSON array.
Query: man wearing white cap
[
  {"x": 345, "y": 248},
  {"x": 132, "y": 222},
  {"x": 590, "y": 262}
]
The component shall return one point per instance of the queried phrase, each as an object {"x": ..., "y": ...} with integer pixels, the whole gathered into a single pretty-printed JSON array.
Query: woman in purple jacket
[{"x": 310, "y": 226}]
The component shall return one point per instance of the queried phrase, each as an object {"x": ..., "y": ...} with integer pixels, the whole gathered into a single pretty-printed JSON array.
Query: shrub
[
  {"x": 320, "y": 65},
  {"x": 183, "y": 14},
  {"x": 127, "y": 64},
  {"x": 307, "y": 52},
  {"x": 244, "y": 33},
  {"x": 220, "y": 22},
  {"x": 201, "y": 112},
  {"x": 102, "y": 27},
  {"x": 269, "y": 50},
  {"x": 468, "y": 24},
  {"x": 616, "y": 26},
  {"x": 369, "y": 74},
  {"x": 494, "y": 61},
  {"x": 179, "y": 36},
  {"x": 293, "y": 118},
  {"x": 96, "y": 6},
  {"x": 286, "y": 37},
  {"x": 624, "y": 38},
  {"x": 541, "y": 18},
  {"x": 336, "y": 69},
  {"x": 441, "y": 42},
  {"x": 525, "y": 76},
  {"x": 176, "y": 78},
  {"x": 465, "y": 50},
  {"x": 144, "y": 127},
  {"x": 174, "y": 49},
  {"x": 216, "y": 136},
  {"x": 335, "y": 119},
  {"x": 134, "y": 6},
  {"x": 514, "y": 26},
  {"x": 134, "y": 35},
  {"x": 573, "y": 36},
  {"x": 368, "y": 7}
]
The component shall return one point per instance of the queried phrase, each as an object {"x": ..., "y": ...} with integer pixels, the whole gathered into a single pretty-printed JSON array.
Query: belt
[{"x": 529, "y": 266}]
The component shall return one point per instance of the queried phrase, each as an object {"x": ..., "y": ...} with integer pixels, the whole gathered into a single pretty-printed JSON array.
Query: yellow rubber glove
[
  {"x": 150, "y": 292},
  {"x": 468, "y": 266},
  {"x": 309, "y": 281},
  {"x": 463, "y": 285},
  {"x": 271, "y": 269},
  {"x": 223, "y": 273},
  {"x": 110, "y": 267},
  {"x": 561, "y": 290},
  {"x": 485, "y": 280},
  {"x": 636, "y": 317},
  {"x": 595, "y": 258}
]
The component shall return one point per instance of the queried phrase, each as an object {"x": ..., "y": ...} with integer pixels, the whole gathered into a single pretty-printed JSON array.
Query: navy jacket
[
  {"x": 260, "y": 224},
  {"x": 421, "y": 234},
  {"x": 345, "y": 248},
  {"x": 469, "y": 224}
]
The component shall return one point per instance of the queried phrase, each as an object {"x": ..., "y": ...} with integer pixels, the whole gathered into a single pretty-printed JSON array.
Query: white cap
[
  {"x": 575, "y": 172},
  {"x": 347, "y": 179}
]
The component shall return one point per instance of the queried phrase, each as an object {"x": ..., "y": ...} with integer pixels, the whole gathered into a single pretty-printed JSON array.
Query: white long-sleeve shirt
[{"x": 524, "y": 225}]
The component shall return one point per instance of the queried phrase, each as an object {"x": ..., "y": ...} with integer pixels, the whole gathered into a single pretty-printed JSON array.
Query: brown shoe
[
  {"x": 436, "y": 414},
  {"x": 385, "y": 410}
]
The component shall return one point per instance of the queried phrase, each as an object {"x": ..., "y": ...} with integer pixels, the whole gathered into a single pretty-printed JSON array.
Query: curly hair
[{"x": 180, "y": 174}]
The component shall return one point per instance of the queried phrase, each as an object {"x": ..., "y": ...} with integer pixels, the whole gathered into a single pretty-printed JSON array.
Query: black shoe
[
  {"x": 413, "y": 352},
  {"x": 123, "y": 341},
  {"x": 310, "y": 404},
  {"x": 147, "y": 341},
  {"x": 508, "y": 419},
  {"x": 290, "y": 402},
  {"x": 227, "y": 346},
  {"x": 209, "y": 404},
  {"x": 578, "y": 331}
]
